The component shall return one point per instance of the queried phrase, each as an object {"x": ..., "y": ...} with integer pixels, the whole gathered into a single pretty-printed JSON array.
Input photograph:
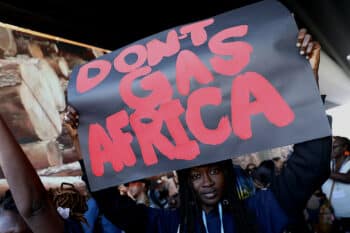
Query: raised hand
[
  {"x": 71, "y": 121},
  {"x": 310, "y": 49},
  {"x": 71, "y": 117}
]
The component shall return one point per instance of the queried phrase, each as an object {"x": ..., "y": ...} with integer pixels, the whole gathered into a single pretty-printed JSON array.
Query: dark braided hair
[
  {"x": 190, "y": 208},
  {"x": 67, "y": 196}
]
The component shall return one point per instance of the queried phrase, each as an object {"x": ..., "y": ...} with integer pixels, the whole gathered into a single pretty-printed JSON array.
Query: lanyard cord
[{"x": 204, "y": 218}]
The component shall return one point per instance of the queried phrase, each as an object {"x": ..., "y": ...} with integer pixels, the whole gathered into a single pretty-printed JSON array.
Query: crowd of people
[{"x": 272, "y": 197}]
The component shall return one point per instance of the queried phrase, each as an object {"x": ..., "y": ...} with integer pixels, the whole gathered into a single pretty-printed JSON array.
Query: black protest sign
[{"x": 194, "y": 94}]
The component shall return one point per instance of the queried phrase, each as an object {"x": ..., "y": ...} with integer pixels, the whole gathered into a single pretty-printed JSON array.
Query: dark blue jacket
[
  {"x": 269, "y": 217},
  {"x": 96, "y": 222},
  {"x": 306, "y": 169},
  {"x": 72, "y": 226}
]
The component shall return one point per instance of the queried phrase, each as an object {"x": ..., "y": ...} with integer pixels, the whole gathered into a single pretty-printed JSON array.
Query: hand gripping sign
[{"x": 194, "y": 94}]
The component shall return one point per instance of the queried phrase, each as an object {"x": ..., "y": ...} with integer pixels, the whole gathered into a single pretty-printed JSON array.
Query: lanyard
[{"x": 205, "y": 219}]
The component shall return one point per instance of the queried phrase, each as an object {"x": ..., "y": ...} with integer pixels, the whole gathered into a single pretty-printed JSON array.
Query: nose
[{"x": 207, "y": 180}]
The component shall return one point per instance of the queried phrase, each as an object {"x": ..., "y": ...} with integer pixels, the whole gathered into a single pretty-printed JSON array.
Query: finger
[
  {"x": 304, "y": 44},
  {"x": 72, "y": 113},
  {"x": 317, "y": 45},
  {"x": 73, "y": 124},
  {"x": 66, "y": 118},
  {"x": 69, "y": 109},
  {"x": 315, "y": 56},
  {"x": 72, "y": 110},
  {"x": 68, "y": 113},
  {"x": 301, "y": 34},
  {"x": 316, "y": 51},
  {"x": 74, "y": 116},
  {"x": 317, "y": 48},
  {"x": 309, "y": 50},
  {"x": 69, "y": 117},
  {"x": 71, "y": 120}
]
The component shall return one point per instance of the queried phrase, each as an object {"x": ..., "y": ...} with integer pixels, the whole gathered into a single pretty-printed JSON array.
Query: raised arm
[
  {"x": 28, "y": 192},
  {"x": 308, "y": 166},
  {"x": 122, "y": 211},
  {"x": 341, "y": 177}
]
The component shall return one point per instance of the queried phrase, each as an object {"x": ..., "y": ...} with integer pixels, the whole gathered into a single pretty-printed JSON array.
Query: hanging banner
[{"x": 194, "y": 94}]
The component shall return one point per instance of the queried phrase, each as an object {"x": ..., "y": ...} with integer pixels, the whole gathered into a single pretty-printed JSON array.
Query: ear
[{"x": 346, "y": 153}]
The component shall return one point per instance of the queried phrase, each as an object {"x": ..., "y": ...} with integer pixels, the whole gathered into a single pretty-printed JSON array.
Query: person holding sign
[{"x": 209, "y": 202}]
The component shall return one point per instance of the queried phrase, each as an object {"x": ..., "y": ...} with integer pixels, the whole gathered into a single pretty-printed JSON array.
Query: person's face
[
  {"x": 337, "y": 149},
  {"x": 11, "y": 222},
  {"x": 208, "y": 183}
]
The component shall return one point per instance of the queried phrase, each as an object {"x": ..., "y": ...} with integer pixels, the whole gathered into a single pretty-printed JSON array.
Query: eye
[
  {"x": 215, "y": 171},
  {"x": 195, "y": 176}
]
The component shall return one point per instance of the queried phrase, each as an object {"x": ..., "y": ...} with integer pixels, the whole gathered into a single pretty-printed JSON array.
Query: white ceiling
[{"x": 335, "y": 83}]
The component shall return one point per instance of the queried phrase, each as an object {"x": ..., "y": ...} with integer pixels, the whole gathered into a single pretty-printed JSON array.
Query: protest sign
[{"x": 194, "y": 94}]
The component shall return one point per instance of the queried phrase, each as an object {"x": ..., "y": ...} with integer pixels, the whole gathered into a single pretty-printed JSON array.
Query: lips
[{"x": 209, "y": 194}]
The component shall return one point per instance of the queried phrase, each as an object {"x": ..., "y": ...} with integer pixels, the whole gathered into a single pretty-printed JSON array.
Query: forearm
[
  {"x": 341, "y": 177},
  {"x": 305, "y": 171},
  {"x": 27, "y": 190},
  {"x": 20, "y": 175}
]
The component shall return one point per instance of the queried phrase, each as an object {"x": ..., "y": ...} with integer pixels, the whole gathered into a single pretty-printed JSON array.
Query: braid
[
  {"x": 243, "y": 219},
  {"x": 70, "y": 197},
  {"x": 190, "y": 211}
]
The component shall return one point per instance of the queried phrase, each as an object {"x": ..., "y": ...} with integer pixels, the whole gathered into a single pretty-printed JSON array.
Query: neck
[
  {"x": 204, "y": 219},
  {"x": 207, "y": 209},
  {"x": 339, "y": 162}
]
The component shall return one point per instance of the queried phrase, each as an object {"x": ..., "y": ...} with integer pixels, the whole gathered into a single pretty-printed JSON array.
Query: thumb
[{"x": 315, "y": 59}]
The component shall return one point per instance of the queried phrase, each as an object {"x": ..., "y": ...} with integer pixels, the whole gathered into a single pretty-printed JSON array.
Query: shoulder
[
  {"x": 264, "y": 200},
  {"x": 259, "y": 198}
]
